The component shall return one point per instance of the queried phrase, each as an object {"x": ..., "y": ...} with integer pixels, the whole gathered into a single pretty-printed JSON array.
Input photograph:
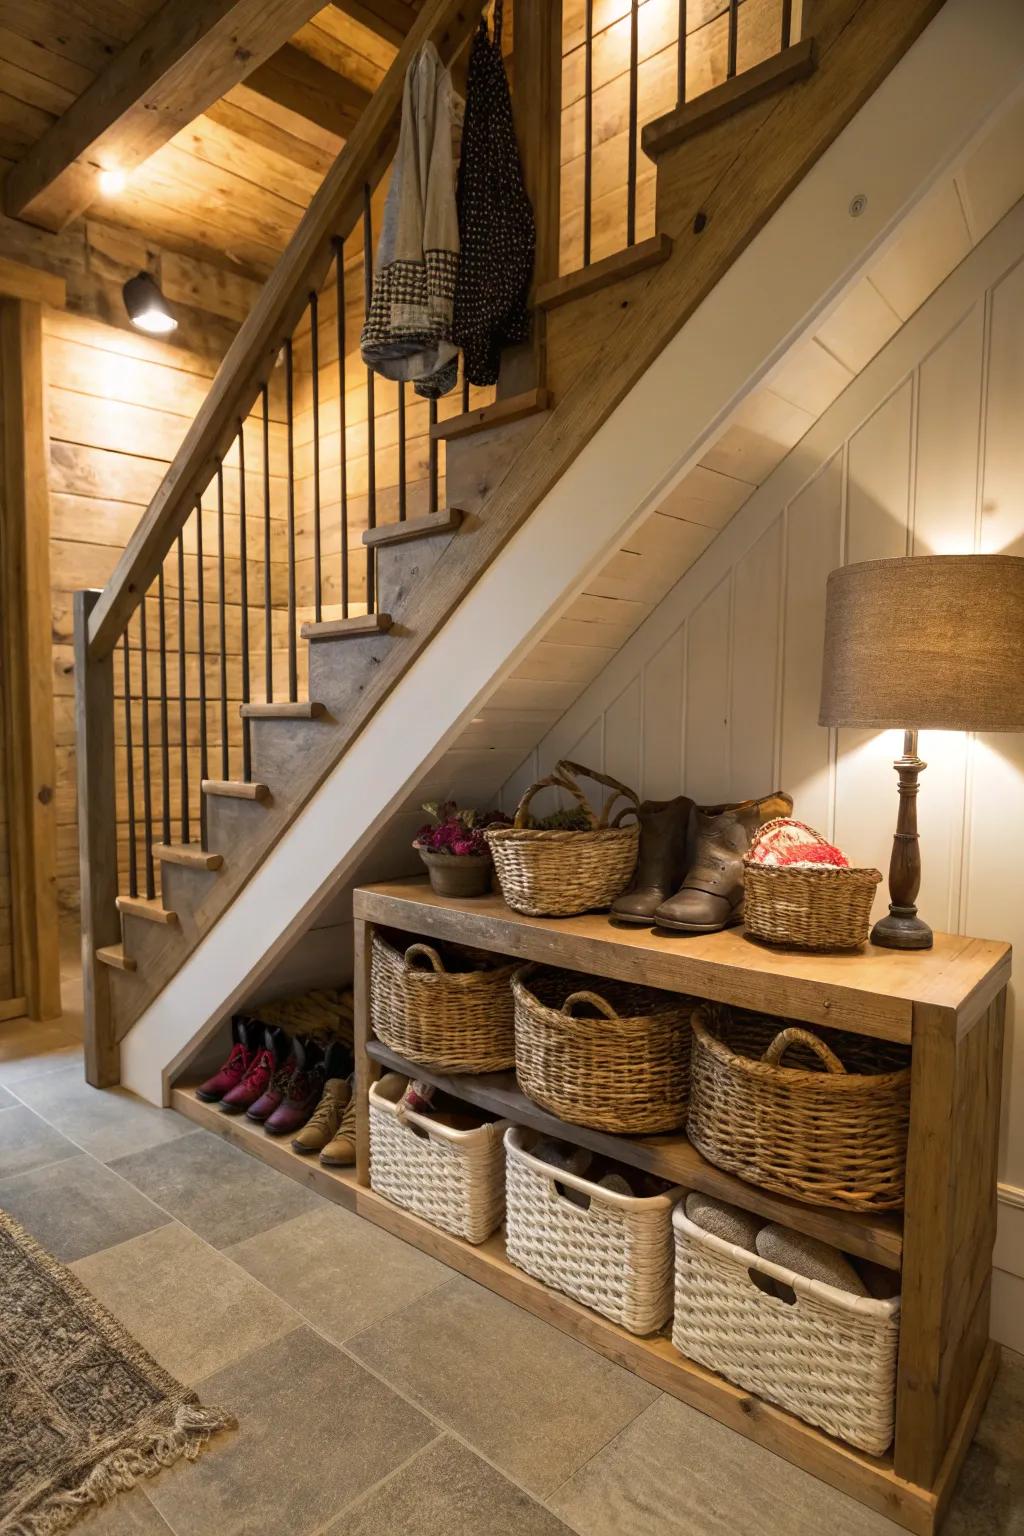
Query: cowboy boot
[
  {"x": 663, "y": 860},
  {"x": 711, "y": 896}
]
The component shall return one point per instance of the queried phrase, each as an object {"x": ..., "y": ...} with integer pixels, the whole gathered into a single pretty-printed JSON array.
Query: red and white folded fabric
[{"x": 786, "y": 843}]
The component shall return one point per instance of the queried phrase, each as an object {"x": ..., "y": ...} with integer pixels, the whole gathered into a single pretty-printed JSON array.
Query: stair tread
[
  {"x": 601, "y": 274},
  {"x": 188, "y": 855},
  {"x": 721, "y": 101},
  {"x": 348, "y": 629},
  {"x": 151, "y": 909},
  {"x": 413, "y": 528},
  {"x": 114, "y": 955},
  {"x": 501, "y": 413},
  {"x": 236, "y": 789},
  {"x": 302, "y": 709}
]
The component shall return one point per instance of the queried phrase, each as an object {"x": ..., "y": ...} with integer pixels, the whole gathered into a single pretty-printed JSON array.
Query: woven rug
[{"x": 84, "y": 1411}]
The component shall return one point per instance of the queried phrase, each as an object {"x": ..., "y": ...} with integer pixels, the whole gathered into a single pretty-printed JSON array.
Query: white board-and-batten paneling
[{"x": 716, "y": 695}]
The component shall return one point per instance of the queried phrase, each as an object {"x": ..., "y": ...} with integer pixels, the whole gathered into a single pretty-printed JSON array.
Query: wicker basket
[
  {"x": 557, "y": 873},
  {"x": 455, "y": 1179},
  {"x": 830, "y": 1129},
  {"x": 454, "y": 1021},
  {"x": 615, "y": 1255},
  {"x": 821, "y": 1353},
  {"x": 818, "y": 908},
  {"x": 627, "y": 1070}
]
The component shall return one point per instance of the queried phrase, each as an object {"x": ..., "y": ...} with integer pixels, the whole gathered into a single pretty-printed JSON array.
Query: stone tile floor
[{"x": 377, "y": 1392}]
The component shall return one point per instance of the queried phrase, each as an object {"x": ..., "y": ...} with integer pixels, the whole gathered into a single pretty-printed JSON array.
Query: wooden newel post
[{"x": 97, "y": 843}]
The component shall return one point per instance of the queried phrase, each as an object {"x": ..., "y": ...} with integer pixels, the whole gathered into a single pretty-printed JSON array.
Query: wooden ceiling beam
[
  {"x": 390, "y": 19},
  {"x": 295, "y": 80},
  {"x": 177, "y": 65}
]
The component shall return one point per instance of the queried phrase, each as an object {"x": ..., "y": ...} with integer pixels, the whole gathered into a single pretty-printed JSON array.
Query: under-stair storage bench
[{"x": 946, "y": 1004}]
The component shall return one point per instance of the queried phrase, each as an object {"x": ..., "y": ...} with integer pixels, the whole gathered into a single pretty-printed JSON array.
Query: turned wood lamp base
[{"x": 902, "y": 928}]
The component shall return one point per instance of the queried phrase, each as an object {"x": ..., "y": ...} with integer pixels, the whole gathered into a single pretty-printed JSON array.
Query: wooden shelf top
[
  {"x": 869, "y": 1235},
  {"x": 871, "y": 991}
]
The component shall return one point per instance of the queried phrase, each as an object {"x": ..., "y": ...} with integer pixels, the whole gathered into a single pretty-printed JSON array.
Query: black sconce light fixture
[{"x": 147, "y": 308}]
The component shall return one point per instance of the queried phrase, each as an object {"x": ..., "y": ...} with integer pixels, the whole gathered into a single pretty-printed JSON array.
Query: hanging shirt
[
  {"x": 408, "y": 331},
  {"x": 497, "y": 236}
]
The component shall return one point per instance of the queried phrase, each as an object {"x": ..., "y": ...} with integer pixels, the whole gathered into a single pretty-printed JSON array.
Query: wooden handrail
[{"x": 334, "y": 211}]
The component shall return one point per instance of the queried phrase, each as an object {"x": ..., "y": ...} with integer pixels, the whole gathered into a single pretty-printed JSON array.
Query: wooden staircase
[{"x": 598, "y": 331}]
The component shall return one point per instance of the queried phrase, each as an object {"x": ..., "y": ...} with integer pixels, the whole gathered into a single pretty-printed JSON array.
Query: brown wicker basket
[
  {"x": 626, "y": 1070},
  {"x": 557, "y": 873},
  {"x": 453, "y": 1020},
  {"x": 830, "y": 1128},
  {"x": 820, "y": 908}
]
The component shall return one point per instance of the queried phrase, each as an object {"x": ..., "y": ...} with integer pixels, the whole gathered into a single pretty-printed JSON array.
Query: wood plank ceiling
[{"x": 228, "y": 187}]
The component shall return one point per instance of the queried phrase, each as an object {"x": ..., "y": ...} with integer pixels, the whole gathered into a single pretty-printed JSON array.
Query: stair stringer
[{"x": 916, "y": 122}]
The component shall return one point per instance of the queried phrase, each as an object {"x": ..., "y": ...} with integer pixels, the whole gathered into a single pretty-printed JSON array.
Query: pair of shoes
[
  {"x": 331, "y": 1130},
  {"x": 278, "y": 1095},
  {"x": 690, "y": 869}
]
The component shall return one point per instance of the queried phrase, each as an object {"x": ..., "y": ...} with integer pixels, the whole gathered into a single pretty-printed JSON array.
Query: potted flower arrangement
[{"x": 453, "y": 847}]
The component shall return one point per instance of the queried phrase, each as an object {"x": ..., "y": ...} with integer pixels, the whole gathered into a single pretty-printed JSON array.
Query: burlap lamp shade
[{"x": 934, "y": 642}]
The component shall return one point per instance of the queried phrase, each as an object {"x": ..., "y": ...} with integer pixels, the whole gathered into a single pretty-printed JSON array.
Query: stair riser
[
  {"x": 230, "y": 824},
  {"x": 281, "y": 748},
  {"x": 185, "y": 889},
  {"x": 402, "y": 568},
  {"x": 475, "y": 465},
  {"x": 339, "y": 670},
  {"x": 144, "y": 941}
]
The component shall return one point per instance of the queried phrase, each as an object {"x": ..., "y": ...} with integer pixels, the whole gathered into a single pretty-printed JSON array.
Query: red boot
[
  {"x": 277, "y": 1091},
  {"x": 253, "y": 1085},
  {"x": 230, "y": 1075},
  {"x": 304, "y": 1094}
]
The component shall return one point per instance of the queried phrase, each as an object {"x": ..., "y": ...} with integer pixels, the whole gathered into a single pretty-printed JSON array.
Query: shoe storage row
[{"x": 767, "y": 1185}]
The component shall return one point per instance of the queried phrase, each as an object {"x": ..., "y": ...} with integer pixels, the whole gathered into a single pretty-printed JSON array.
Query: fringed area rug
[{"x": 84, "y": 1411}]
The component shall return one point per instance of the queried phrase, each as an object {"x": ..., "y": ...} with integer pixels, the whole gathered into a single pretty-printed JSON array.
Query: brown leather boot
[
  {"x": 665, "y": 849},
  {"x": 711, "y": 896}
]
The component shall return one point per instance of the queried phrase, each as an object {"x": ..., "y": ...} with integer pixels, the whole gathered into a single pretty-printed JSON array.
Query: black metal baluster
[
  {"x": 243, "y": 556},
  {"x": 371, "y": 422},
  {"x": 432, "y": 461},
  {"x": 681, "y": 56},
  {"x": 734, "y": 28},
  {"x": 402, "y": 491},
  {"x": 588, "y": 128},
  {"x": 314, "y": 320},
  {"x": 129, "y": 758},
  {"x": 787, "y": 23},
  {"x": 165, "y": 745},
  {"x": 183, "y": 696},
  {"x": 147, "y": 784},
  {"x": 465, "y": 386},
  {"x": 267, "y": 594},
  {"x": 339, "y": 278},
  {"x": 204, "y": 752},
  {"x": 634, "y": 84},
  {"x": 222, "y": 628},
  {"x": 289, "y": 387}
]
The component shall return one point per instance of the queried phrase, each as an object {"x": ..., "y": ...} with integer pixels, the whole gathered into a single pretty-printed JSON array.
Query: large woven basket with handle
[
  {"x": 617, "y": 1060},
  {"x": 828, "y": 1125},
  {"x": 455, "y": 1020},
  {"x": 554, "y": 873}
]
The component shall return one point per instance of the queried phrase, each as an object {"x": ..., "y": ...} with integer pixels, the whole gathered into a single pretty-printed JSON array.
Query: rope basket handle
[
  {"x": 619, "y": 791},
  {"x": 424, "y": 952},
  {"x": 552, "y": 781},
  {"x": 787, "y": 1037},
  {"x": 595, "y": 1000}
]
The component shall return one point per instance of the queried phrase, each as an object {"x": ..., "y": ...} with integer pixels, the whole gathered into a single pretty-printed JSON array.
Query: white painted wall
[{"x": 717, "y": 693}]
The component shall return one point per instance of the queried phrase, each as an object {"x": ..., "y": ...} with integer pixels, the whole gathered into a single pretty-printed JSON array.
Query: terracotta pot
[{"x": 453, "y": 874}]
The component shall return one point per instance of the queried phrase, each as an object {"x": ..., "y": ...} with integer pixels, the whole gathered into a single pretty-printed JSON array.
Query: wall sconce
[{"x": 147, "y": 308}]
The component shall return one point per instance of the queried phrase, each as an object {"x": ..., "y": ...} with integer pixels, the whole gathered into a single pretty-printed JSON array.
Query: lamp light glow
[
  {"x": 112, "y": 181},
  {"x": 147, "y": 308}
]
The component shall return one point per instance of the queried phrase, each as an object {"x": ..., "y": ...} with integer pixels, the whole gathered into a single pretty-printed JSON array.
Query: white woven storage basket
[
  {"x": 615, "y": 1255},
  {"x": 823, "y": 1354},
  {"x": 455, "y": 1179}
]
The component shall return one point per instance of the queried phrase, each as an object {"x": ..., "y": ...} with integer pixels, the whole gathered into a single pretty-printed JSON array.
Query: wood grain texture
[
  {"x": 612, "y": 269},
  {"x": 735, "y": 95},
  {"x": 502, "y": 413}
]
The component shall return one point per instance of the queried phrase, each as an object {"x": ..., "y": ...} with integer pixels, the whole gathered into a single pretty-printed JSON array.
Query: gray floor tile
[
  {"x": 339, "y": 1271},
  {"x": 675, "y": 1472},
  {"x": 108, "y": 1122},
  {"x": 27, "y": 1049},
  {"x": 129, "y": 1514},
  {"x": 990, "y": 1494},
  {"x": 534, "y": 1401},
  {"x": 217, "y": 1190},
  {"x": 191, "y": 1308},
  {"x": 315, "y": 1431},
  {"x": 447, "y": 1491},
  {"x": 6, "y": 1099},
  {"x": 27, "y": 1142},
  {"x": 76, "y": 1207}
]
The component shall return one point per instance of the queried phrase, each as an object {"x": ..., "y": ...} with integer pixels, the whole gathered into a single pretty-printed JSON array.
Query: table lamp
[{"x": 932, "y": 642}]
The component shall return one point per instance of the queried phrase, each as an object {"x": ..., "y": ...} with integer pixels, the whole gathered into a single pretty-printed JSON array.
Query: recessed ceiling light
[
  {"x": 147, "y": 308},
  {"x": 111, "y": 182}
]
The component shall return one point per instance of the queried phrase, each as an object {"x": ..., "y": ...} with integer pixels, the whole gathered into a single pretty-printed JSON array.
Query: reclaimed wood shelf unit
[{"x": 947, "y": 1003}]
